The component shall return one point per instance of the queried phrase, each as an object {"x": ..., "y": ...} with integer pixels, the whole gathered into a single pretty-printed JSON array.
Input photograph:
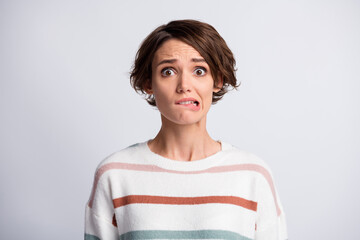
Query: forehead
[{"x": 175, "y": 48}]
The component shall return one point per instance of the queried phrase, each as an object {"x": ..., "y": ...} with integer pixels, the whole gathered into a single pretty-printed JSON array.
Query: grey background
[{"x": 66, "y": 104}]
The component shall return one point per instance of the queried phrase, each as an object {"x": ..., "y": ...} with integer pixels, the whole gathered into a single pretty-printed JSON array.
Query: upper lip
[{"x": 185, "y": 100}]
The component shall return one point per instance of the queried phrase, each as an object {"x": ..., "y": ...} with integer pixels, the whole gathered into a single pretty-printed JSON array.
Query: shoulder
[
  {"x": 246, "y": 162},
  {"x": 125, "y": 155},
  {"x": 235, "y": 155},
  {"x": 118, "y": 161},
  {"x": 250, "y": 162}
]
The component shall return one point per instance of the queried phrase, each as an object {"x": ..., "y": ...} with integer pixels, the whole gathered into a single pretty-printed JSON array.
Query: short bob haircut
[{"x": 203, "y": 38}]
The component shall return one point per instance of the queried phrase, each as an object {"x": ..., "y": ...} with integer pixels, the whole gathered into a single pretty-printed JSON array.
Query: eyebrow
[{"x": 174, "y": 60}]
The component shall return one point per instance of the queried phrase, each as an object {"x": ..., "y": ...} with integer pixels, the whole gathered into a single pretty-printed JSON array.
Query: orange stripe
[
  {"x": 153, "y": 168},
  {"x": 146, "y": 199}
]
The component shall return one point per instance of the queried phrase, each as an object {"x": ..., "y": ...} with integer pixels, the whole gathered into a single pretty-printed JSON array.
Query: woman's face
[{"x": 182, "y": 83}]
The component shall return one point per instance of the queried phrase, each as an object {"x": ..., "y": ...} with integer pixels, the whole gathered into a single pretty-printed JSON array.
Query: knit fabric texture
[{"x": 138, "y": 194}]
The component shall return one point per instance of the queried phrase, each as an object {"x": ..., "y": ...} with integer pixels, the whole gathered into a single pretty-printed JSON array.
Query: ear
[
  {"x": 219, "y": 85},
  {"x": 147, "y": 87}
]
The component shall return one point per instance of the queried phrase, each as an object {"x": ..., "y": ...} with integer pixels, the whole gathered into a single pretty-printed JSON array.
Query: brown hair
[{"x": 202, "y": 37}]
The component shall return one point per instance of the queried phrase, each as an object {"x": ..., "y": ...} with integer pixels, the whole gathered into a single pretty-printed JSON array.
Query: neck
[{"x": 184, "y": 142}]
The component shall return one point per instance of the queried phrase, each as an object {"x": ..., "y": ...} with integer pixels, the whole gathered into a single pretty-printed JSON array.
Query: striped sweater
[{"x": 138, "y": 194}]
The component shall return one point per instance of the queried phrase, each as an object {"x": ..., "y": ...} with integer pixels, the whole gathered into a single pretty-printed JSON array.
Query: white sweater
[{"x": 138, "y": 194}]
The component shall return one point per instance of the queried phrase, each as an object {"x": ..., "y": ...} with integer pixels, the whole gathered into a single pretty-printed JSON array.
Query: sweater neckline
[{"x": 200, "y": 164}]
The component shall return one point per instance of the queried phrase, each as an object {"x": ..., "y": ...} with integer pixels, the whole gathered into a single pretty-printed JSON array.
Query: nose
[{"x": 184, "y": 83}]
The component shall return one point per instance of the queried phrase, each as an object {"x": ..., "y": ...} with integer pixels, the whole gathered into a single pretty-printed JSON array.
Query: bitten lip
[{"x": 186, "y": 99}]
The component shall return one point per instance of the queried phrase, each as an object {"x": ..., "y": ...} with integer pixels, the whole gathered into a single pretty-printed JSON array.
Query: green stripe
[
  {"x": 91, "y": 237},
  {"x": 200, "y": 234}
]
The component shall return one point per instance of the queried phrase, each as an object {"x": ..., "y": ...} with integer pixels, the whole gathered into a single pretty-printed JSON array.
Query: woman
[{"x": 183, "y": 184}]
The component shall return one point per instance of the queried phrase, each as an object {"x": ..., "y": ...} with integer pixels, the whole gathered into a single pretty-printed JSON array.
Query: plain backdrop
[{"x": 66, "y": 104}]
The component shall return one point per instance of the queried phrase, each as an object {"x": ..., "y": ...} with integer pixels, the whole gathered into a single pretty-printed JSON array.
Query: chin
[
  {"x": 186, "y": 121},
  {"x": 183, "y": 119}
]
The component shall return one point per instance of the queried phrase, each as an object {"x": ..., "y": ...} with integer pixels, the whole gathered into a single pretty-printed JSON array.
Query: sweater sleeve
[
  {"x": 98, "y": 228},
  {"x": 270, "y": 222},
  {"x": 99, "y": 213}
]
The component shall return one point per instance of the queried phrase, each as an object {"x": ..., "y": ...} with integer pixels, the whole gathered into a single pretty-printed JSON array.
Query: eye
[
  {"x": 200, "y": 71},
  {"x": 166, "y": 72}
]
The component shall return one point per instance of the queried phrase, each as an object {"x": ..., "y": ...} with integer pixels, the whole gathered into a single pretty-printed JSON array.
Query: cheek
[
  {"x": 160, "y": 92},
  {"x": 162, "y": 97},
  {"x": 208, "y": 92}
]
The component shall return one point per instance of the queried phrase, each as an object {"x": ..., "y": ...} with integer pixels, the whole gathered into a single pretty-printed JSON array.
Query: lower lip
[{"x": 191, "y": 106}]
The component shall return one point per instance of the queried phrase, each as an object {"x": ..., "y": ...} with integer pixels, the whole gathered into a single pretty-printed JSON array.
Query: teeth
[{"x": 188, "y": 102}]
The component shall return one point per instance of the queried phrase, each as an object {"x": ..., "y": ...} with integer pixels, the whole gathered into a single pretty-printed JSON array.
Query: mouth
[
  {"x": 188, "y": 101},
  {"x": 195, "y": 103}
]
